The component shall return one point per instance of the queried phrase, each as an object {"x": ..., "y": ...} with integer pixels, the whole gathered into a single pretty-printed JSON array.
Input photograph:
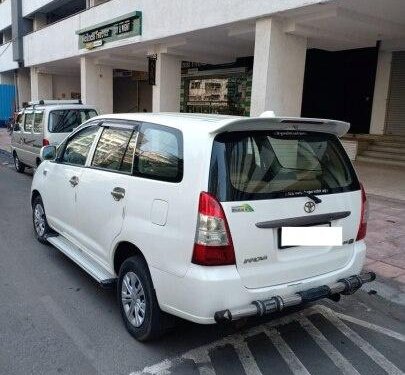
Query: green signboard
[{"x": 119, "y": 28}]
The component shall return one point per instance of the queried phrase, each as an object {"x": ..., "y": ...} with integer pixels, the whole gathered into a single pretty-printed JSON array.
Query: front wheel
[
  {"x": 138, "y": 303},
  {"x": 40, "y": 223},
  {"x": 19, "y": 167}
]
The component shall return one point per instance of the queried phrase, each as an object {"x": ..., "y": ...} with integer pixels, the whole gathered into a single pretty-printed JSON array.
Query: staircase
[{"x": 386, "y": 150}]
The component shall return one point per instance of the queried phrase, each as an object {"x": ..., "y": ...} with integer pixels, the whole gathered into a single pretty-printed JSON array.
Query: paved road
[{"x": 54, "y": 319}]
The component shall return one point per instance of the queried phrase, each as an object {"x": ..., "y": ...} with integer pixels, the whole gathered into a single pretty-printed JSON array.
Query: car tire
[
  {"x": 140, "y": 309},
  {"x": 39, "y": 221},
  {"x": 19, "y": 166}
]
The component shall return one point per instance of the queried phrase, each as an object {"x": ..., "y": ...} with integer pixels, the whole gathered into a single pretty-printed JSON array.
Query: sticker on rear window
[{"x": 243, "y": 208}]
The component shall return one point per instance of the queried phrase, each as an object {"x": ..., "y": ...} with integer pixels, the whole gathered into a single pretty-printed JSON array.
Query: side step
[{"x": 105, "y": 278}]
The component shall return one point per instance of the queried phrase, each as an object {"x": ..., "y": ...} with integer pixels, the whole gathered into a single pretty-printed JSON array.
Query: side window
[
  {"x": 113, "y": 151},
  {"x": 18, "y": 122},
  {"x": 78, "y": 147},
  {"x": 159, "y": 154},
  {"x": 38, "y": 119},
  {"x": 29, "y": 117}
]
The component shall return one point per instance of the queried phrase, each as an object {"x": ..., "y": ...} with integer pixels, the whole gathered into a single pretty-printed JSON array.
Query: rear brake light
[
  {"x": 213, "y": 242},
  {"x": 45, "y": 142},
  {"x": 364, "y": 215}
]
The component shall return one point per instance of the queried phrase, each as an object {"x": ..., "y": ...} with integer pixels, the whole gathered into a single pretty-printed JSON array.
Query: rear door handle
[
  {"x": 74, "y": 181},
  {"x": 118, "y": 193}
]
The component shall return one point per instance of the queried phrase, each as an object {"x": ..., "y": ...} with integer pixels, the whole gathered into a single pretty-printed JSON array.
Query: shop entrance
[
  {"x": 340, "y": 85},
  {"x": 131, "y": 91}
]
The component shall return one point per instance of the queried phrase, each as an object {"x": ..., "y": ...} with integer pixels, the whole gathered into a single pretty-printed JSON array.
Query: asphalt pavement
[{"x": 54, "y": 319}]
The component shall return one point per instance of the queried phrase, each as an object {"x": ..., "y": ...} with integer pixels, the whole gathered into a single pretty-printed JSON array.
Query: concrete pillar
[
  {"x": 41, "y": 85},
  {"x": 96, "y": 85},
  {"x": 23, "y": 86},
  {"x": 278, "y": 70},
  {"x": 39, "y": 21},
  {"x": 381, "y": 91},
  {"x": 166, "y": 92}
]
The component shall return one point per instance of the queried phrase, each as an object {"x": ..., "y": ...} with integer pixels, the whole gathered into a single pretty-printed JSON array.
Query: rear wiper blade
[{"x": 312, "y": 196}]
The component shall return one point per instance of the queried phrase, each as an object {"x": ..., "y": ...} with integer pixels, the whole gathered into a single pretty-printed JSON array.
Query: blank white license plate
[{"x": 311, "y": 236}]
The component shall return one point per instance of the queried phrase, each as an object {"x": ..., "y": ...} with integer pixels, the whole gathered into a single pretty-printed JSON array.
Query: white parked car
[
  {"x": 192, "y": 215},
  {"x": 45, "y": 122}
]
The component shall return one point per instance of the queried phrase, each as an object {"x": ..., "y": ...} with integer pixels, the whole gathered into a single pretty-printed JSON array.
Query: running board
[{"x": 105, "y": 278}]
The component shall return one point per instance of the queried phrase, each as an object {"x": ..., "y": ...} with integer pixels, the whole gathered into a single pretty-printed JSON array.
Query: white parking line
[{"x": 201, "y": 355}]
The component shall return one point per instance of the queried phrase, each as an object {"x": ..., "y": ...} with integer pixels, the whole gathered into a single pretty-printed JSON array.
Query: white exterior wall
[
  {"x": 166, "y": 92},
  {"x": 381, "y": 91},
  {"x": 278, "y": 70},
  {"x": 96, "y": 85},
  {"x": 7, "y": 78},
  {"x": 5, "y": 14},
  {"x": 41, "y": 85},
  {"x": 6, "y": 61},
  {"x": 160, "y": 19},
  {"x": 63, "y": 86}
]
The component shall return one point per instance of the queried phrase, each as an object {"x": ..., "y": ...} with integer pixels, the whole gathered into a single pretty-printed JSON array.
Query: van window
[
  {"x": 159, "y": 153},
  {"x": 78, "y": 147},
  {"x": 38, "y": 118},
  {"x": 18, "y": 122},
  {"x": 112, "y": 148},
  {"x": 66, "y": 120},
  {"x": 29, "y": 116},
  {"x": 271, "y": 164}
]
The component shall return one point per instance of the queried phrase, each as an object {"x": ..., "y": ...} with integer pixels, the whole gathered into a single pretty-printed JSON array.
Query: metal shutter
[{"x": 395, "y": 118}]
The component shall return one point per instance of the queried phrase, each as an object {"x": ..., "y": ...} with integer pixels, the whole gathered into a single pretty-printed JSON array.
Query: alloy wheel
[
  {"x": 39, "y": 220},
  {"x": 133, "y": 299}
]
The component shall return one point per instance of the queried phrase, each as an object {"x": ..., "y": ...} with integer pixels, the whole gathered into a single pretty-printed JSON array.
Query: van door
[
  {"x": 37, "y": 134},
  {"x": 27, "y": 138},
  {"x": 101, "y": 199},
  {"x": 264, "y": 180}
]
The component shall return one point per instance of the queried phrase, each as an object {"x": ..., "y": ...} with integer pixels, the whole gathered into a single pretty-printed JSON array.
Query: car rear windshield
[
  {"x": 277, "y": 164},
  {"x": 65, "y": 120}
]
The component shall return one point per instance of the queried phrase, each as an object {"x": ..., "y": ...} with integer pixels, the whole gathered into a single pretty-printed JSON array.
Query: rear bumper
[
  {"x": 275, "y": 304},
  {"x": 203, "y": 291}
]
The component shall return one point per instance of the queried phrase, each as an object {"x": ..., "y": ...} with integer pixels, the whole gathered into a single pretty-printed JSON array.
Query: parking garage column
[
  {"x": 278, "y": 70},
  {"x": 166, "y": 91},
  {"x": 96, "y": 85},
  {"x": 41, "y": 85}
]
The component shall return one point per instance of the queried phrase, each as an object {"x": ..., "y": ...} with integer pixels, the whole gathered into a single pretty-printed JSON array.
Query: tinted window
[
  {"x": 112, "y": 149},
  {"x": 38, "y": 118},
  {"x": 66, "y": 120},
  {"x": 78, "y": 147},
  {"x": 29, "y": 116},
  {"x": 260, "y": 165},
  {"x": 159, "y": 154}
]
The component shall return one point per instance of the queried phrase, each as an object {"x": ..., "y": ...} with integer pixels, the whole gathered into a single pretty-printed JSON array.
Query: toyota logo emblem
[{"x": 309, "y": 207}]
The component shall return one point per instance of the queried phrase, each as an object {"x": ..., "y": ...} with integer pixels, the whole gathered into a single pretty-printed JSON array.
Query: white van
[
  {"x": 42, "y": 123},
  {"x": 192, "y": 215}
]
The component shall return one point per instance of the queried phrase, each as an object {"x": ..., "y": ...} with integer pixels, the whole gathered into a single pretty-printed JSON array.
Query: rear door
[{"x": 262, "y": 179}]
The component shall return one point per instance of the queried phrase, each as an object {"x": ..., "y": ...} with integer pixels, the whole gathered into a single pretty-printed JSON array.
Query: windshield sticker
[{"x": 243, "y": 208}]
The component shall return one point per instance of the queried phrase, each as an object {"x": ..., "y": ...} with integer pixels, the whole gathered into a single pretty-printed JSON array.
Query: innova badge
[
  {"x": 309, "y": 207},
  {"x": 243, "y": 208}
]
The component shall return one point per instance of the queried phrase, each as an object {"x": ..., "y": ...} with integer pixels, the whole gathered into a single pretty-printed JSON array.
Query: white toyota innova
[{"x": 209, "y": 218}]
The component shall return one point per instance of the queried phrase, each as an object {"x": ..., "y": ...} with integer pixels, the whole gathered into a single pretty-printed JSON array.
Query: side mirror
[{"x": 48, "y": 153}]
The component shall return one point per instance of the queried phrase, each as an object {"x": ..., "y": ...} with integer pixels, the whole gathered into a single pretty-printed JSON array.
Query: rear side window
[
  {"x": 66, "y": 120},
  {"x": 78, "y": 147},
  {"x": 159, "y": 153},
  {"x": 18, "y": 122},
  {"x": 29, "y": 116},
  {"x": 115, "y": 150},
  {"x": 38, "y": 118},
  {"x": 277, "y": 164}
]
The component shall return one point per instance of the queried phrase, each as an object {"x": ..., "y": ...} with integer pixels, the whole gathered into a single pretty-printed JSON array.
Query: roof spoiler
[{"x": 338, "y": 128}]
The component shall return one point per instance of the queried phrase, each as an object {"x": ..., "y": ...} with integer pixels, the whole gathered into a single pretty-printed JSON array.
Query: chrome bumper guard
[{"x": 344, "y": 286}]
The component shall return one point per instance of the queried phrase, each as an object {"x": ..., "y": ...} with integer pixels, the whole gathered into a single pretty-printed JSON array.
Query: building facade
[{"x": 342, "y": 59}]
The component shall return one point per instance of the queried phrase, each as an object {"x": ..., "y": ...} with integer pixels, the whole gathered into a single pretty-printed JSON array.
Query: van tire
[
  {"x": 155, "y": 321},
  {"x": 19, "y": 166},
  {"x": 38, "y": 208}
]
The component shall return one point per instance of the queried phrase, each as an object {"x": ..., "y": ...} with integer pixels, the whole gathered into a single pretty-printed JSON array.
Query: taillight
[
  {"x": 364, "y": 215},
  {"x": 45, "y": 142},
  {"x": 213, "y": 242}
]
